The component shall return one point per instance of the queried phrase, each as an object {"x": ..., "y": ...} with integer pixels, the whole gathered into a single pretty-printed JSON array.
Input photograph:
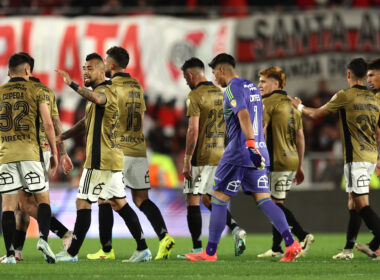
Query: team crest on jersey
[
  {"x": 187, "y": 103},
  {"x": 233, "y": 103}
]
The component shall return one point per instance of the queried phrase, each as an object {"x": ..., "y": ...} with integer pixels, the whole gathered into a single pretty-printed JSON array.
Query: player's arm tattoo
[
  {"x": 58, "y": 131},
  {"x": 78, "y": 128},
  {"x": 93, "y": 96}
]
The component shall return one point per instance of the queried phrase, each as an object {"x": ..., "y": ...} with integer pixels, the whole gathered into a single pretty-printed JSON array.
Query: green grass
[{"x": 317, "y": 265}]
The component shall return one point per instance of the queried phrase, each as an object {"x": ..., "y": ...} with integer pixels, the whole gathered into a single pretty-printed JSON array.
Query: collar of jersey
[
  {"x": 121, "y": 74},
  {"x": 359, "y": 87},
  {"x": 106, "y": 82},
  {"x": 17, "y": 79},
  {"x": 206, "y": 83},
  {"x": 34, "y": 79},
  {"x": 279, "y": 91}
]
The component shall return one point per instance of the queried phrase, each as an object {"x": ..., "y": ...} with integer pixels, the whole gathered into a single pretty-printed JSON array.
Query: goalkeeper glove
[{"x": 257, "y": 159}]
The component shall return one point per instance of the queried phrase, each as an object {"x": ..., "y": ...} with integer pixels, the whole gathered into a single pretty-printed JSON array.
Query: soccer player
[
  {"x": 204, "y": 148},
  {"x": 245, "y": 159},
  {"x": 132, "y": 142},
  {"x": 27, "y": 202},
  {"x": 102, "y": 177},
  {"x": 21, "y": 103},
  {"x": 286, "y": 147},
  {"x": 358, "y": 110},
  {"x": 371, "y": 249}
]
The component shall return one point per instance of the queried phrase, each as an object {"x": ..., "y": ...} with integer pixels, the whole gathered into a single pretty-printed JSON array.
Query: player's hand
[
  {"x": 186, "y": 171},
  {"x": 257, "y": 159},
  {"x": 378, "y": 168},
  {"x": 53, "y": 164},
  {"x": 295, "y": 101},
  {"x": 300, "y": 176},
  {"x": 66, "y": 163},
  {"x": 65, "y": 76}
]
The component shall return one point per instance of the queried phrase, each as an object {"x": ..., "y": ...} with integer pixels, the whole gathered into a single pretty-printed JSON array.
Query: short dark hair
[
  {"x": 31, "y": 60},
  {"x": 223, "y": 58},
  {"x": 358, "y": 66},
  {"x": 193, "y": 62},
  {"x": 120, "y": 55},
  {"x": 92, "y": 56},
  {"x": 16, "y": 60},
  {"x": 374, "y": 64}
]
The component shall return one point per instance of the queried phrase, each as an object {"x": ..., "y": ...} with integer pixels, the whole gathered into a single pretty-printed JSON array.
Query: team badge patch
[{"x": 233, "y": 103}]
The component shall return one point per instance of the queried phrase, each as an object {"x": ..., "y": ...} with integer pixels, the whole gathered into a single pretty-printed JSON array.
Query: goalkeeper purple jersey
[{"x": 242, "y": 94}]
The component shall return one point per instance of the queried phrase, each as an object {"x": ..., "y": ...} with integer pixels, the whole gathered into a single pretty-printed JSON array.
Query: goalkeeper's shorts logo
[
  {"x": 234, "y": 186},
  {"x": 262, "y": 182}
]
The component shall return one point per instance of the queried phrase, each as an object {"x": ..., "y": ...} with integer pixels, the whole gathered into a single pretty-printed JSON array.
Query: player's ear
[{"x": 348, "y": 74}]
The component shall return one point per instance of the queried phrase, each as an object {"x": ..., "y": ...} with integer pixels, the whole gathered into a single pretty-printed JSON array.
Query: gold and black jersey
[
  {"x": 131, "y": 109},
  {"x": 52, "y": 103},
  {"x": 283, "y": 123},
  {"x": 206, "y": 102},
  {"x": 358, "y": 110},
  {"x": 102, "y": 152},
  {"x": 20, "y": 120}
]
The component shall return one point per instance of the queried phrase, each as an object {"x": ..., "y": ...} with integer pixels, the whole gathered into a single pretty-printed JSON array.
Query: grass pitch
[{"x": 318, "y": 264}]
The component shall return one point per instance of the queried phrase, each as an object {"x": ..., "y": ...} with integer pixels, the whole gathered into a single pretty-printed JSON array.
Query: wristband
[
  {"x": 187, "y": 158},
  {"x": 74, "y": 86},
  {"x": 250, "y": 143},
  {"x": 300, "y": 107}
]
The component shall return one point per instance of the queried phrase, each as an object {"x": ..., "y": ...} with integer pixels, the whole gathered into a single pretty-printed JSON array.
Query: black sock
[
  {"x": 194, "y": 221},
  {"x": 105, "y": 226},
  {"x": 354, "y": 224},
  {"x": 43, "y": 220},
  {"x": 132, "y": 221},
  {"x": 9, "y": 229},
  {"x": 231, "y": 223},
  {"x": 155, "y": 218},
  {"x": 57, "y": 227},
  {"x": 373, "y": 223},
  {"x": 296, "y": 227},
  {"x": 82, "y": 224},
  {"x": 277, "y": 239},
  {"x": 19, "y": 239}
]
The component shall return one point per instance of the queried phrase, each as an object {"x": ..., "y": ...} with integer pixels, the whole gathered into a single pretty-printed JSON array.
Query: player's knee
[{"x": 206, "y": 200}]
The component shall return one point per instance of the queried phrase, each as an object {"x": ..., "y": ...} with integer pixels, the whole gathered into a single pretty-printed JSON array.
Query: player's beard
[
  {"x": 108, "y": 73},
  {"x": 87, "y": 82}
]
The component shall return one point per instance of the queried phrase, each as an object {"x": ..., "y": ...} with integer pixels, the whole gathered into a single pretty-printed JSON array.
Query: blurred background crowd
[{"x": 183, "y": 8}]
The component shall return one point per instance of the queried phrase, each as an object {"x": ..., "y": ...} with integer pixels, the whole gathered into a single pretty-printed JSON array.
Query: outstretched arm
[
  {"x": 78, "y": 128},
  {"x": 313, "y": 113},
  {"x": 300, "y": 144},
  {"x": 93, "y": 96}
]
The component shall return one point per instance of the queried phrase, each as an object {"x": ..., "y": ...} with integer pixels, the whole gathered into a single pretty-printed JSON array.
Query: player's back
[
  {"x": 358, "y": 110},
  {"x": 19, "y": 101},
  {"x": 206, "y": 101},
  {"x": 53, "y": 109},
  {"x": 243, "y": 94},
  {"x": 283, "y": 122},
  {"x": 131, "y": 109},
  {"x": 102, "y": 151}
]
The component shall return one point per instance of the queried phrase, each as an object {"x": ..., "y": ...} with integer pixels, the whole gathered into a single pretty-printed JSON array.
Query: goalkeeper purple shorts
[{"x": 228, "y": 179}]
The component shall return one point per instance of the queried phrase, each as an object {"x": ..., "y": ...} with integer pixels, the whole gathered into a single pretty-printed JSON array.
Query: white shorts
[
  {"x": 357, "y": 176},
  {"x": 136, "y": 173},
  {"x": 46, "y": 165},
  {"x": 28, "y": 175},
  {"x": 203, "y": 179},
  {"x": 280, "y": 183},
  {"x": 98, "y": 184}
]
